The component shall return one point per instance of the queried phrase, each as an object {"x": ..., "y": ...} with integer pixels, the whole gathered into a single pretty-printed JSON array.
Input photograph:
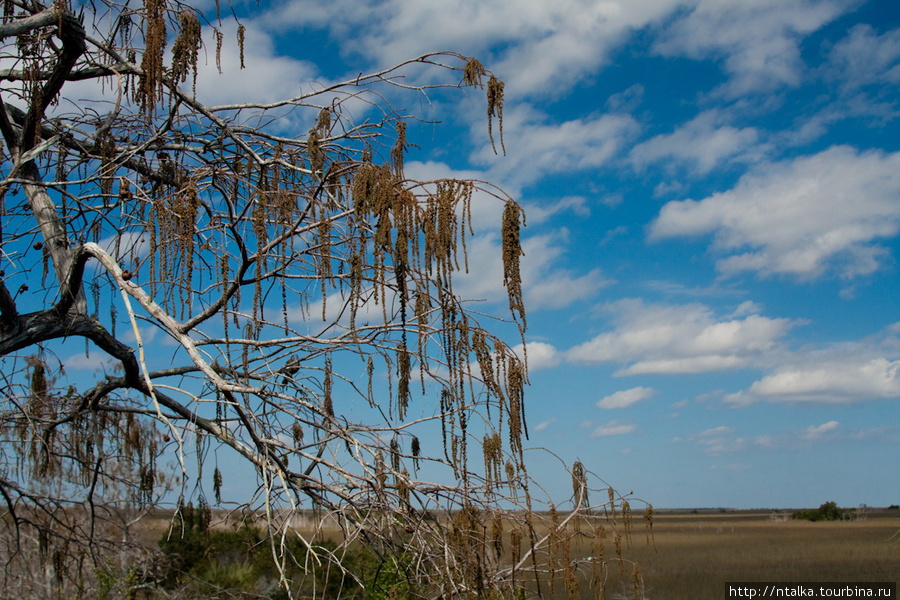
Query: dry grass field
[{"x": 693, "y": 555}]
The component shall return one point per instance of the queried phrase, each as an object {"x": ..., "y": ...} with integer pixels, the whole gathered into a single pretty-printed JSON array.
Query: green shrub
[
  {"x": 384, "y": 579},
  {"x": 205, "y": 563},
  {"x": 829, "y": 511}
]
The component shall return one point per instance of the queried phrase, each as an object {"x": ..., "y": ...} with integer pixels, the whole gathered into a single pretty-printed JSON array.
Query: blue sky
[
  {"x": 712, "y": 191},
  {"x": 713, "y": 200}
]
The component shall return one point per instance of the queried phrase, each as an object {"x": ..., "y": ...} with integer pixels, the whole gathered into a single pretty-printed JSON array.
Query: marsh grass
[{"x": 692, "y": 555}]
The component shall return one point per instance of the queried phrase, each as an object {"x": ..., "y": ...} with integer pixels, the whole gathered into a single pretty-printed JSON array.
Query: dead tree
[{"x": 283, "y": 299}]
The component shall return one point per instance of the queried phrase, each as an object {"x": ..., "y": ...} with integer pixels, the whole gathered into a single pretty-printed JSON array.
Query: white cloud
[
  {"x": 838, "y": 381},
  {"x": 541, "y": 355},
  {"x": 864, "y": 57},
  {"x": 717, "y": 440},
  {"x": 563, "y": 287},
  {"x": 726, "y": 440},
  {"x": 680, "y": 339},
  {"x": 759, "y": 41},
  {"x": 486, "y": 208},
  {"x": 625, "y": 398},
  {"x": 538, "y": 47},
  {"x": 613, "y": 428},
  {"x": 798, "y": 217},
  {"x": 626, "y": 101},
  {"x": 815, "y": 432},
  {"x": 720, "y": 430},
  {"x": 544, "y": 425},
  {"x": 267, "y": 76},
  {"x": 730, "y": 467},
  {"x": 702, "y": 143},
  {"x": 840, "y": 373},
  {"x": 537, "y": 146},
  {"x": 538, "y": 212},
  {"x": 96, "y": 362},
  {"x": 126, "y": 247},
  {"x": 545, "y": 284}
]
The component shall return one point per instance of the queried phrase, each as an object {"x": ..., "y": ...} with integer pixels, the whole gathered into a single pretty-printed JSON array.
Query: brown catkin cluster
[
  {"x": 495, "y": 107},
  {"x": 241, "y": 32},
  {"x": 579, "y": 484},
  {"x": 149, "y": 90},
  {"x": 492, "y": 446},
  {"x": 172, "y": 227},
  {"x": 467, "y": 543},
  {"x": 187, "y": 46},
  {"x": 512, "y": 252},
  {"x": 472, "y": 74}
]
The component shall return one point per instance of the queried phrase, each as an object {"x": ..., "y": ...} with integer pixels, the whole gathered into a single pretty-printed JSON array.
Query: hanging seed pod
[
  {"x": 416, "y": 451},
  {"x": 512, "y": 252},
  {"x": 241, "y": 30},
  {"x": 327, "y": 405},
  {"x": 495, "y": 107},
  {"x": 217, "y": 484},
  {"x": 404, "y": 370},
  {"x": 187, "y": 47},
  {"x": 150, "y": 90},
  {"x": 403, "y": 492},
  {"x": 473, "y": 72},
  {"x": 395, "y": 454},
  {"x": 497, "y": 534},
  {"x": 125, "y": 189},
  {"x": 579, "y": 484}
]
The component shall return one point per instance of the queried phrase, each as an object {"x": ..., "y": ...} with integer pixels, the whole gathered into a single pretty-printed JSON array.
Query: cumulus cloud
[
  {"x": 625, "y": 398},
  {"x": 544, "y": 425},
  {"x": 839, "y": 373},
  {"x": 613, "y": 428},
  {"x": 542, "y": 48},
  {"x": 486, "y": 207},
  {"x": 864, "y": 57},
  {"x": 759, "y": 41},
  {"x": 800, "y": 217},
  {"x": 545, "y": 283},
  {"x": 538, "y": 212},
  {"x": 126, "y": 247},
  {"x": 657, "y": 338},
  {"x": 702, "y": 144},
  {"x": 842, "y": 381},
  {"x": 537, "y": 145},
  {"x": 727, "y": 440},
  {"x": 268, "y": 76},
  {"x": 814, "y": 432},
  {"x": 541, "y": 355},
  {"x": 716, "y": 440}
]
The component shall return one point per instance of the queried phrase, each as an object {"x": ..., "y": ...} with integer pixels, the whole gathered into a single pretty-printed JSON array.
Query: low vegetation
[
  {"x": 685, "y": 555},
  {"x": 693, "y": 555},
  {"x": 828, "y": 511}
]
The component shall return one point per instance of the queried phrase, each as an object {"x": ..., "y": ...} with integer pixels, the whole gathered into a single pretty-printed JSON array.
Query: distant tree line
[{"x": 828, "y": 511}]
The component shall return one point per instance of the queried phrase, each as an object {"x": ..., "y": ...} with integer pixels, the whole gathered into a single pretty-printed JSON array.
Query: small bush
[
  {"x": 237, "y": 563},
  {"x": 829, "y": 511}
]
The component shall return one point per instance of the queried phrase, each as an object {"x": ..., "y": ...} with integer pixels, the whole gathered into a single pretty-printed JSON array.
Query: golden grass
[{"x": 693, "y": 555}]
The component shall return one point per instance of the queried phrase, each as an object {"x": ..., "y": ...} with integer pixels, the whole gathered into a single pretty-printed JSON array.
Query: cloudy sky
[{"x": 713, "y": 200}]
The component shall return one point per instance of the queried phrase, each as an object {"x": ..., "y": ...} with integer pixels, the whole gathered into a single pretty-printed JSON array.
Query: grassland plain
[{"x": 692, "y": 555}]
